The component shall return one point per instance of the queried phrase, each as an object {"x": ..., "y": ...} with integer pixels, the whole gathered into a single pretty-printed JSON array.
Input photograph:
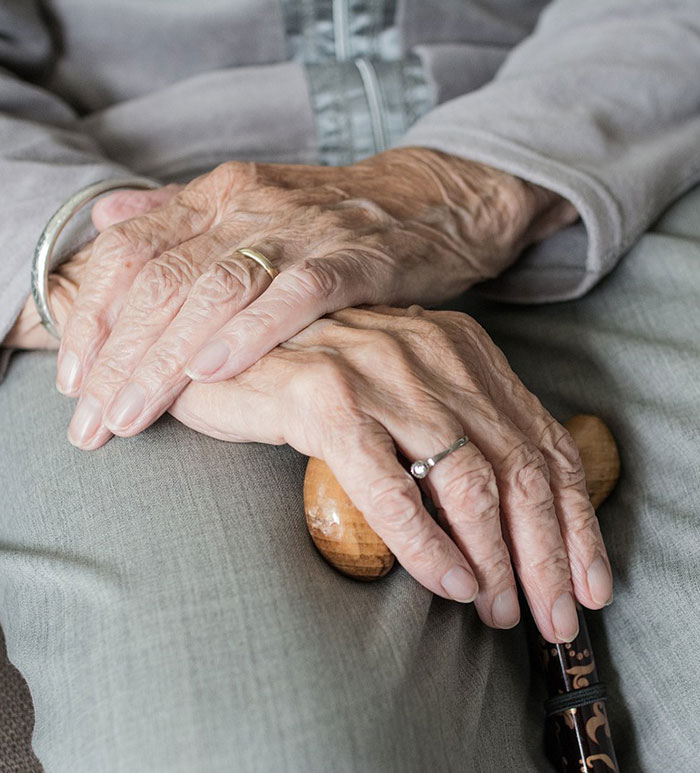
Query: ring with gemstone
[{"x": 421, "y": 467}]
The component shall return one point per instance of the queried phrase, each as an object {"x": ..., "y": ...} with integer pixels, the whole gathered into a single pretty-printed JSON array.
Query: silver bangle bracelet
[{"x": 43, "y": 252}]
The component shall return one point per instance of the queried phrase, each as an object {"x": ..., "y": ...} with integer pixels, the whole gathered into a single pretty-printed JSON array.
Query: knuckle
[
  {"x": 383, "y": 345},
  {"x": 529, "y": 469},
  {"x": 114, "y": 238},
  {"x": 327, "y": 386},
  {"x": 312, "y": 278},
  {"x": 253, "y": 323},
  {"x": 210, "y": 195},
  {"x": 192, "y": 199},
  {"x": 554, "y": 564},
  {"x": 124, "y": 240},
  {"x": 475, "y": 494},
  {"x": 566, "y": 460},
  {"x": 397, "y": 506},
  {"x": 499, "y": 567},
  {"x": 433, "y": 336},
  {"x": 431, "y": 329},
  {"x": 492, "y": 567},
  {"x": 163, "y": 365},
  {"x": 583, "y": 525},
  {"x": 223, "y": 280},
  {"x": 334, "y": 380},
  {"x": 237, "y": 174},
  {"x": 107, "y": 371},
  {"x": 162, "y": 280},
  {"x": 426, "y": 549},
  {"x": 86, "y": 323}
]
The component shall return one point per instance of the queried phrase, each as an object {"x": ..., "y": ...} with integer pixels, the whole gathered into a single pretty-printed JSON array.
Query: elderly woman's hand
[
  {"x": 64, "y": 282},
  {"x": 355, "y": 388},
  {"x": 409, "y": 225},
  {"x": 27, "y": 331}
]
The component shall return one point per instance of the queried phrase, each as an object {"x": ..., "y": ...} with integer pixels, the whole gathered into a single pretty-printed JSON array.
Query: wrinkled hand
[
  {"x": 64, "y": 281},
  {"x": 28, "y": 332},
  {"x": 163, "y": 298},
  {"x": 354, "y": 388}
]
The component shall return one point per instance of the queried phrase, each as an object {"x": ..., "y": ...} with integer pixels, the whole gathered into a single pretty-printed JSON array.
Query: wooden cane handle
[{"x": 347, "y": 542}]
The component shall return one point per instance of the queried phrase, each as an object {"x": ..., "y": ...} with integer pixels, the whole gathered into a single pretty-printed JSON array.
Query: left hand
[
  {"x": 408, "y": 225},
  {"x": 361, "y": 386},
  {"x": 27, "y": 331},
  {"x": 64, "y": 281}
]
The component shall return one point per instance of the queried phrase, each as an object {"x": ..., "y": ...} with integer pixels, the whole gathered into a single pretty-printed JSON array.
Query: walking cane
[{"x": 577, "y": 734}]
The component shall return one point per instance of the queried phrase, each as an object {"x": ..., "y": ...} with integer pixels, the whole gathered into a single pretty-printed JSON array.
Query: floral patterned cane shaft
[{"x": 578, "y": 739}]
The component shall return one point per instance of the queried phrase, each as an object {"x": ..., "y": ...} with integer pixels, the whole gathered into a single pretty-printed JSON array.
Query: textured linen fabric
[
  {"x": 600, "y": 103},
  {"x": 165, "y": 604},
  {"x": 16, "y": 720},
  {"x": 169, "y": 612},
  {"x": 161, "y": 596}
]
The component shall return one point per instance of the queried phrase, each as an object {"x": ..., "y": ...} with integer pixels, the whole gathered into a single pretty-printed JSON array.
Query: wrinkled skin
[
  {"x": 164, "y": 300},
  {"x": 64, "y": 281},
  {"x": 512, "y": 497}
]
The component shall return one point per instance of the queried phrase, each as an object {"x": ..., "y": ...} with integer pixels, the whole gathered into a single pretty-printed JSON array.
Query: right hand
[{"x": 361, "y": 385}]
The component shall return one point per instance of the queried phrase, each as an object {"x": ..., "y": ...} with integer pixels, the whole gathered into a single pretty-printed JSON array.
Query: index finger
[
  {"x": 297, "y": 297},
  {"x": 118, "y": 254}
]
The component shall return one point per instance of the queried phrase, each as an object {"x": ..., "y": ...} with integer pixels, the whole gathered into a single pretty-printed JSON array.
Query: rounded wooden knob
[
  {"x": 338, "y": 528},
  {"x": 599, "y": 455},
  {"x": 348, "y": 543}
]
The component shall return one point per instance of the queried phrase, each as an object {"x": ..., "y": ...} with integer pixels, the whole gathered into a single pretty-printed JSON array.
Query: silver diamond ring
[{"x": 421, "y": 467}]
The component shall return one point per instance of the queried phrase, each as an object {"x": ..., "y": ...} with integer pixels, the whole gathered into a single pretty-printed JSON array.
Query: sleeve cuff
[{"x": 565, "y": 265}]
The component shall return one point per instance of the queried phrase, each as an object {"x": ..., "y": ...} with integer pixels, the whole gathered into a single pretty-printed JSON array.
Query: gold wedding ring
[{"x": 260, "y": 259}]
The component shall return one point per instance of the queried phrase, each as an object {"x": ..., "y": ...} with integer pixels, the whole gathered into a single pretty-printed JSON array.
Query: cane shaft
[{"x": 578, "y": 734}]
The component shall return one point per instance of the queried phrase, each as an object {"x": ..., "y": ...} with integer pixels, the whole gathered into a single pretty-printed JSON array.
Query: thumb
[{"x": 122, "y": 205}]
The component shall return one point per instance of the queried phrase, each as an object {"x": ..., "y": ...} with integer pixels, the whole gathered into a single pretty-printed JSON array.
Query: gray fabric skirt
[{"x": 163, "y": 601}]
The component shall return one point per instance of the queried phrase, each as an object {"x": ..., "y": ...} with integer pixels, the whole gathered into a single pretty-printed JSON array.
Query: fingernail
[
  {"x": 564, "y": 617},
  {"x": 208, "y": 360},
  {"x": 67, "y": 378},
  {"x": 459, "y": 585},
  {"x": 128, "y": 404},
  {"x": 86, "y": 421},
  {"x": 506, "y": 610},
  {"x": 600, "y": 581}
]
